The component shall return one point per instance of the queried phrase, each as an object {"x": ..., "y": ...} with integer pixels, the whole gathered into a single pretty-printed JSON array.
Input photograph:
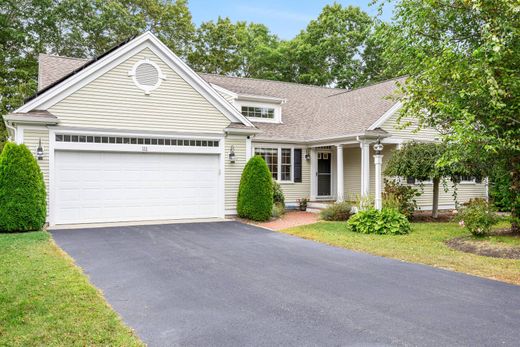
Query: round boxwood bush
[
  {"x": 386, "y": 221},
  {"x": 22, "y": 190},
  {"x": 255, "y": 194}
]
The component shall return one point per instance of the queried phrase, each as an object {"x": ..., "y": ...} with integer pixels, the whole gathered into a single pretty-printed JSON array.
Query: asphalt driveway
[{"x": 230, "y": 284}]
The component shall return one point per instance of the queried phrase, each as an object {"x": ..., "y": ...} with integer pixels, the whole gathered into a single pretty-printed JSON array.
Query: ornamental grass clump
[
  {"x": 22, "y": 190},
  {"x": 388, "y": 221},
  {"x": 255, "y": 193}
]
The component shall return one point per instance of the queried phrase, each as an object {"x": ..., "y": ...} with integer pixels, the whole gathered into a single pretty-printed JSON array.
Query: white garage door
[{"x": 112, "y": 187}]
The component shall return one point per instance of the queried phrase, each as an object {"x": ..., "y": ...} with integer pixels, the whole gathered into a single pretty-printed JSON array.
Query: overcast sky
[{"x": 283, "y": 17}]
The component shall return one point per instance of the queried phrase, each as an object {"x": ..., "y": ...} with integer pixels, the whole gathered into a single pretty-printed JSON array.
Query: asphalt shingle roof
[
  {"x": 312, "y": 112},
  {"x": 51, "y": 68},
  {"x": 309, "y": 113}
]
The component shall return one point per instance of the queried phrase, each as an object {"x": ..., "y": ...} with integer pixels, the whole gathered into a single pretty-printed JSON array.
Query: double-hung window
[
  {"x": 285, "y": 164},
  {"x": 270, "y": 156},
  {"x": 286, "y": 168}
]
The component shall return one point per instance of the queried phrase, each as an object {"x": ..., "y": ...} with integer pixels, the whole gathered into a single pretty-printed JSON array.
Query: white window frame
[
  {"x": 472, "y": 181},
  {"x": 277, "y": 111},
  {"x": 417, "y": 182},
  {"x": 279, "y": 158}
]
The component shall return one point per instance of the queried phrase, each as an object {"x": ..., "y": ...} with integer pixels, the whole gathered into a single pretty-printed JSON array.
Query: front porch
[{"x": 343, "y": 172}]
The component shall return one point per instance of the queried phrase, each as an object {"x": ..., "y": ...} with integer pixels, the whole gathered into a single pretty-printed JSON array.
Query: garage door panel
[{"x": 110, "y": 187}]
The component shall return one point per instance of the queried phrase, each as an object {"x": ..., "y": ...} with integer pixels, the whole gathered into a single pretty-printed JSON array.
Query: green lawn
[
  {"x": 45, "y": 300},
  {"x": 501, "y": 240},
  {"x": 424, "y": 245}
]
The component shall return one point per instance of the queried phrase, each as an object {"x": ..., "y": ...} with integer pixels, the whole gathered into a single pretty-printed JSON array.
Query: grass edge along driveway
[
  {"x": 46, "y": 300},
  {"x": 424, "y": 245}
]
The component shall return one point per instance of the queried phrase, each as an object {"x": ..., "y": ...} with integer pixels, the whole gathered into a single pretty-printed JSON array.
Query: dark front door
[{"x": 324, "y": 173}]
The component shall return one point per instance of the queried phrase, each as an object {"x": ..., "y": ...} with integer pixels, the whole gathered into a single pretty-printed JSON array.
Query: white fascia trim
[
  {"x": 249, "y": 97},
  {"x": 281, "y": 141},
  {"x": 224, "y": 90},
  {"x": 378, "y": 123},
  {"x": 146, "y": 40},
  {"x": 260, "y": 98},
  {"x": 127, "y": 132},
  {"x": 31, "y": 119},
  {"x": 242, "y": 131}
]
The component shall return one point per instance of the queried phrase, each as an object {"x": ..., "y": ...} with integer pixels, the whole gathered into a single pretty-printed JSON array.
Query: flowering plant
[{"x": 477, "y": 216}]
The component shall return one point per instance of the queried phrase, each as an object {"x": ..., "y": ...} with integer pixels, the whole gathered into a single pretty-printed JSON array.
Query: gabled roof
[
  {"x": 81, "y": 75},
  {"x": 311, "y": 113}
]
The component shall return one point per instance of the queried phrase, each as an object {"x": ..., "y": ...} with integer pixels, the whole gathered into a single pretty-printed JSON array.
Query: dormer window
[{"x": 258, "y": 112}]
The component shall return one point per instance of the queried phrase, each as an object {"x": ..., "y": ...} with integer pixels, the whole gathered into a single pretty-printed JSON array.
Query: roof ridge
[
  {"x": 275, "y": 81},
  {"x": 64, "y": 57},
  {"x": 367, "y": 86}
]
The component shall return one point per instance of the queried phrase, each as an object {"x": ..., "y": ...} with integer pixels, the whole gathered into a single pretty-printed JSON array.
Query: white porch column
[
  {"x": 249, "y": 148},
  {"x": 339, "y": 174},
  {"x": 365, "y": 169},
  {"x": 314, "y": 174},
  {"x": 378, "y": 200}
]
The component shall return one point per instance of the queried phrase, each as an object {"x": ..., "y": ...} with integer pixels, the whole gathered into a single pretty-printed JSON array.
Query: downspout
[{"x": 13, "y": 131}]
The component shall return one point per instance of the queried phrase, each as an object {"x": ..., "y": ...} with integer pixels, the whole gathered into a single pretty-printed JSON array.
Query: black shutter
[
  {"x": 410, "y": 180},
  {"x": 297, "y": 165}
]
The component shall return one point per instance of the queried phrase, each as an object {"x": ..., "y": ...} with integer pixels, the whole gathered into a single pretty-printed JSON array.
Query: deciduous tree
[{"x": 463, "y": 61}]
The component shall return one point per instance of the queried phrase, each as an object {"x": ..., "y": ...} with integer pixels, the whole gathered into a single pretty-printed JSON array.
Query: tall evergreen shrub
[
  {"x": 22, "y": 190},
  {"x": 255, "y": 193}
]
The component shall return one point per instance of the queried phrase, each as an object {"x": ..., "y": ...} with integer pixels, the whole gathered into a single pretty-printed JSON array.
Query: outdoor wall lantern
[
  {"x": 307, "y": 155},
  {"x": 232, "y": 155},
  {"x": 378, "y": 147},
  {"x": 39, "y": 150}
]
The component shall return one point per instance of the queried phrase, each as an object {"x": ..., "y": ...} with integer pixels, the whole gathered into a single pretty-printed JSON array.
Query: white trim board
[
  {"x": 386, "y": 116},
  {"x": 146, "y": 40}
]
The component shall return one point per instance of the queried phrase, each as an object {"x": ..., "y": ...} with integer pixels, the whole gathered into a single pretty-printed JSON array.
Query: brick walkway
[{"x": 291, "y": 219}]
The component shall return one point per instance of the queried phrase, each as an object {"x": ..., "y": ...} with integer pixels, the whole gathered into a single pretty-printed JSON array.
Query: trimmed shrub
[
  {"x": 339, "y": 211},
  {"x": 23, "y": 203},
  {"x": 386, "y": 221},
  {"x": 255, "y": 193},
  {"x": 477, "y": 216},
  {"x": 278, "y": 196}
]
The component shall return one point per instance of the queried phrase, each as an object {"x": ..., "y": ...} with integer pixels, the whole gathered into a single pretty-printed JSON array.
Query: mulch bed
[
  {"x": 444, "y": 216},
  {"x": 470, "y": 245}
]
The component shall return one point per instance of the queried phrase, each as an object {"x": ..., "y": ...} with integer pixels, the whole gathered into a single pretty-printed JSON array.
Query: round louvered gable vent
[{"x": 146, "y": 75}]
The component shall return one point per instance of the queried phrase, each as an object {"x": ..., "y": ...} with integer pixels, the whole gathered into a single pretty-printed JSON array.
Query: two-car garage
[{"x": 127, "y": 181}]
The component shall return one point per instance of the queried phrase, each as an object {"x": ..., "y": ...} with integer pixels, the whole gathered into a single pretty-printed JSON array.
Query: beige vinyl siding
[
  {"x": 233, "y": 171},
  {"x": 351, "y": 172},
  {"x": 31, "y": 139},
  {"x": 465, "y": 192},
  {"x": 293, "y": 191},
  {"x": 114, "y": 101},
  {"x": 352, "y": 181},
  {"x": 408, "y": 133}
]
